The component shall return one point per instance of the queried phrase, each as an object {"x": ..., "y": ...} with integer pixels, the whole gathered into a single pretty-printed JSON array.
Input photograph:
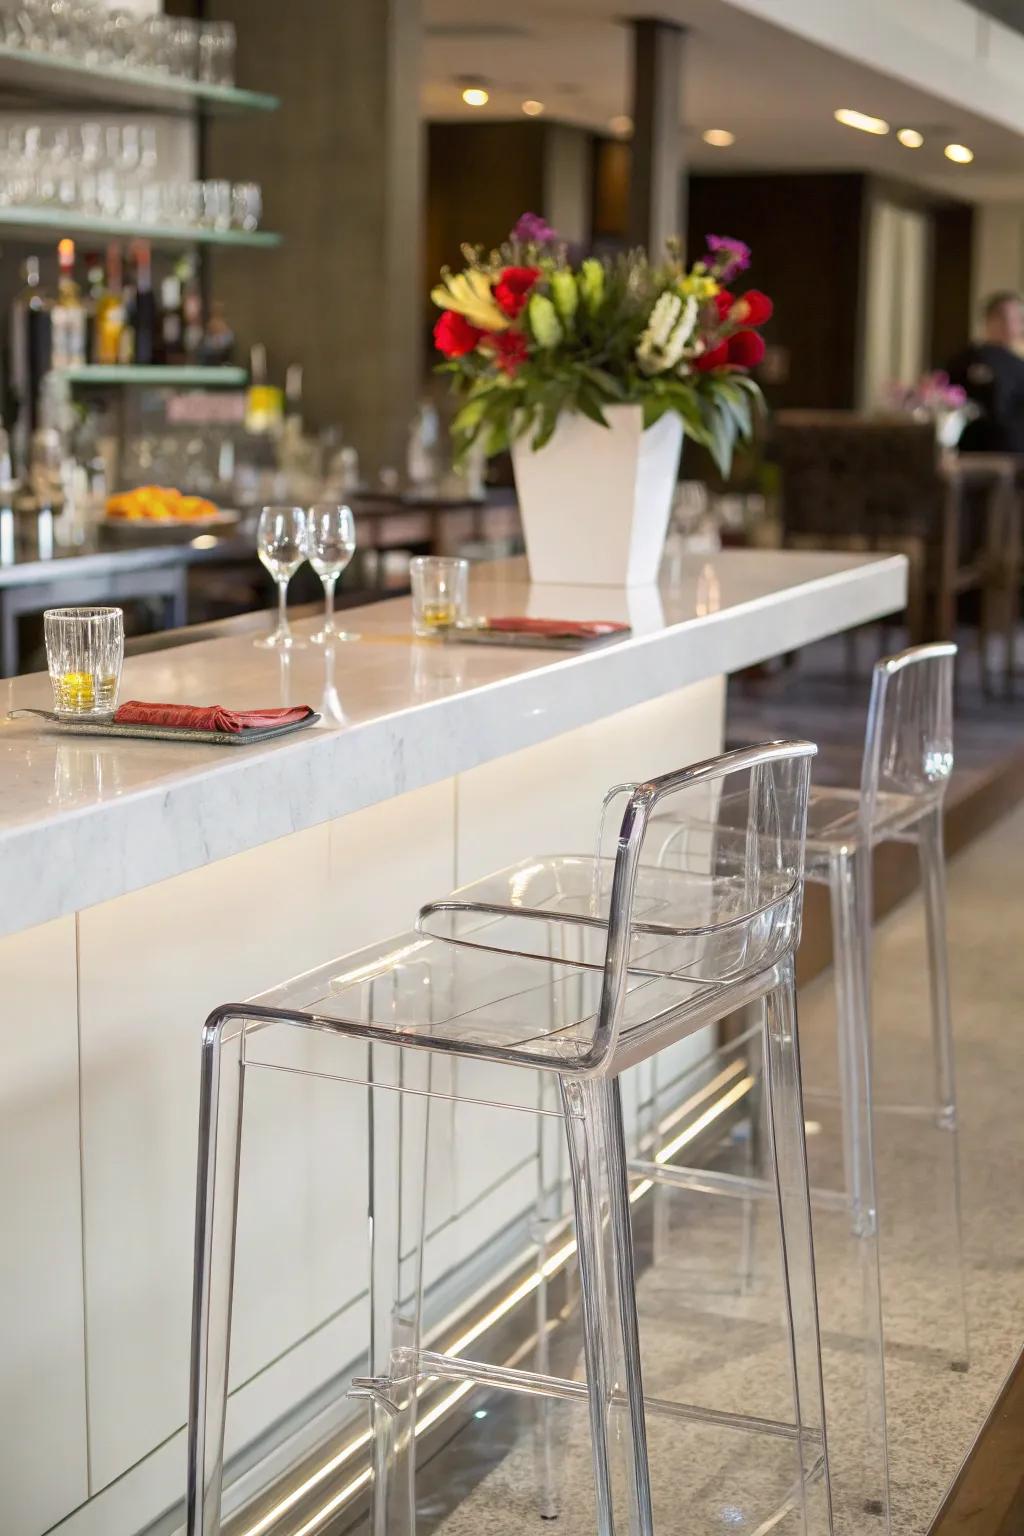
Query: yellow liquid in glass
[
  {"x": 86, "y": 693},
  {"x": 439, "y": 615}
]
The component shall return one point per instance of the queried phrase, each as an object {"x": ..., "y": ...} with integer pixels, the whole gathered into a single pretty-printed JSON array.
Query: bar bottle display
[{"x": 68, "y": 316}]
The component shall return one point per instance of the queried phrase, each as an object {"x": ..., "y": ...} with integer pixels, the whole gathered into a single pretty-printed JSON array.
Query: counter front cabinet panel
[{"x": 43, "y": 1472}]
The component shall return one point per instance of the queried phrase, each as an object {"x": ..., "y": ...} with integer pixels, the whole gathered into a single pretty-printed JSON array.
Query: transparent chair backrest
[
  {"x": 746, "y": 812},
  {"x": 908, "y": 748}
]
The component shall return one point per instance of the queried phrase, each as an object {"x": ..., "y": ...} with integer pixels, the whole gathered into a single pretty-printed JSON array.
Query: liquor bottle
[
  {"x": 108, "y": 324},
  {"x": 68, "y": 318},
  {"x": 95, "y": 288},
  {"x": 144, "y": 319},
  {"x": 218, "y": 338},
  {"x": 191, "y": 309},
  {"x": 31, "y": 350},
  {"x": 264, "y": 404},
  {"x": 172, "y": 320}
]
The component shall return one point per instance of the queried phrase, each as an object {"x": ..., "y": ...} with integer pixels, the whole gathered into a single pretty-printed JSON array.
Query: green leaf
[
  {"x": 591, "y": 407},
  {"x": 604, "y": 381},
  {"x": 721, "y": 428}
]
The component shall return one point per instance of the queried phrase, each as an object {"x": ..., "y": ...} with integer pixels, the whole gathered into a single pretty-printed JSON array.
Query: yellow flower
[
  {"x": 469, "y": 294},
  {"x": 699, "y": 286}
]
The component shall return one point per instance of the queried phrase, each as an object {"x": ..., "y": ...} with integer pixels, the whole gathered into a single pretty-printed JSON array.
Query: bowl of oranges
[{"x": 161, "y": 507}]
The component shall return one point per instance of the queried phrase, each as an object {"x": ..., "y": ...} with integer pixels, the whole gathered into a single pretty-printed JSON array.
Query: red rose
[
  {"x": 724, "y": 303},
  {"x": 511, "y": 349},
  {"x": 746, "y": 349},
  {"x": 513, "y": 289},
  {"x": 755, "y": 308},
  {"x": 715, "y": 357},
  {"x": 454, "y": 336}
]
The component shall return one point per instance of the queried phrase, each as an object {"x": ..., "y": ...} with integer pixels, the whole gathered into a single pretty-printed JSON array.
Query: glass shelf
[
  {"x": 31, "y": 223},
  {"x": 127, "y": 375},
  {"x": 47, "y": 77}
]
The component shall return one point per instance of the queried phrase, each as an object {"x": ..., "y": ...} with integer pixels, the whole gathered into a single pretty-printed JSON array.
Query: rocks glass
[
  {"x": 440, "y": 585},
  {"x": 84, "y": 652}
]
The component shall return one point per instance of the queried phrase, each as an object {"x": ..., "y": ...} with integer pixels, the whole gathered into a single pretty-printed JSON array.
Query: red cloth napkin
[
  {"x": 210, "y": 717},
  {"x": 556, "y": 629}
]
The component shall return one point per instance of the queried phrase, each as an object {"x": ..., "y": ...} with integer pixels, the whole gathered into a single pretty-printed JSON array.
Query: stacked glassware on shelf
[
  {"x": 90, "y": 33},
  {"x": 110, "y": 172}
]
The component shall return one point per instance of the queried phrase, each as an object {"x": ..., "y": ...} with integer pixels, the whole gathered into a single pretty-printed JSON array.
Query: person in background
[{"x": 992, "y": 372}]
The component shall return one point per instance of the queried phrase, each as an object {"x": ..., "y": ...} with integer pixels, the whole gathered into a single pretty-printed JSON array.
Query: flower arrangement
[
  {"x": 528, "y": 335},
  {"x": 932, "y": 395}
]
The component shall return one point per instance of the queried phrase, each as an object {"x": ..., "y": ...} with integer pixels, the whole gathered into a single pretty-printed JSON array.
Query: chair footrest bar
[
  {"x": 535, "y": 1384},
  {"x": 736, "y": 1186},
  {"x": 940, "y": 1114}
]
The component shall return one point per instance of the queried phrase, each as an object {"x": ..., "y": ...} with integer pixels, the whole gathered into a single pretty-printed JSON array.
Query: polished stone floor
[{"x": 710, "y": 1306}]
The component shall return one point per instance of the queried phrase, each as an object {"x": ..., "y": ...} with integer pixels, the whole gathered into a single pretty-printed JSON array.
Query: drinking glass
[
  {"x": 183, "y": 58},
  {"x": 330, "y": 545},
  {"x": 246, "y": 205},
  {"x": 216, "y": 204},
  {"x": 440, "y": 586},
  {"x": 84, "y": 652},
  {"x": 217, "y": 52},
  {"x": 281, "y": 544}
]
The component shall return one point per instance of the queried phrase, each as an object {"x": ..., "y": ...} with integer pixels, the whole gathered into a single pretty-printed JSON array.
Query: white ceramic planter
[{"x": 595, "y": 501}]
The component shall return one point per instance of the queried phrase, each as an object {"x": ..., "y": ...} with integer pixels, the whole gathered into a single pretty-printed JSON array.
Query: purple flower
[
  {"x": 531, "y": 229},
  {"x": 728, "y": 256}
]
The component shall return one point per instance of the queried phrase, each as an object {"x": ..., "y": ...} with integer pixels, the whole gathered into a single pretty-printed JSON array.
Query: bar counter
[{"x": 146, "y": 882}]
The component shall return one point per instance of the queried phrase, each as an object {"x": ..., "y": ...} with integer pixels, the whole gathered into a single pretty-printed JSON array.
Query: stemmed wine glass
[
  {"x": 330, "y": 545},
  {"x": 281, "y": 545}
]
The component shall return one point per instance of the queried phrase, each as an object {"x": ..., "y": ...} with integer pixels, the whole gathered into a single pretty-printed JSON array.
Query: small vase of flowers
[
  {"x": 592, "y": 374},
  {"x": 933, "y": 398}
]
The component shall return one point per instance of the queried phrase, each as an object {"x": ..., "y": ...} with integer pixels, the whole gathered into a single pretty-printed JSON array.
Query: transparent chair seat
[
  {"x": 835, "y": 821},
  {"x": 415, "y": 989},
  {"x": 835, "y": 825},
  {"x": 709, "y": 927}
]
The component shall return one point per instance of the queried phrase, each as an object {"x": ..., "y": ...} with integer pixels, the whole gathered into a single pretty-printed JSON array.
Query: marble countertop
[{"x": 83, "y": 821}]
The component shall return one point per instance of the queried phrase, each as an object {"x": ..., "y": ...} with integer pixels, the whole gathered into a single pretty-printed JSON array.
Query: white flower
[{"x": 662, "y": 344}]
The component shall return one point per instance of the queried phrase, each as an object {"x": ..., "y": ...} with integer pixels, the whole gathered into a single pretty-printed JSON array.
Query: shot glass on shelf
[
  {"x": 217, "y": 52},
  {"x": 440, "y": 587},
  {"x": 246, "y": 205},
  {"x": 330, "y": 545},
  {"x": 216, "y": 204},
  {"x": 281, "y": 545},
  {"x": 84, "y": 652}
]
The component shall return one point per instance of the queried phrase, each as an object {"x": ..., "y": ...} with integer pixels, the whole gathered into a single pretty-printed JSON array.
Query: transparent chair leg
[
  {"x": 754, "y": 1154},
  {"x": 649, "y": 1147},
  {"x": 398, "y": 1132},
  {"x": 384, "y": 1427},
  {"x": 549, "y": 1233},
  {"x": 849, "y": 879},
  {"x": 597, "y": 1159},
  {"x": 220, "y": 1135},
  {"x": 789, "y": 1156},
  {"x": 933, "y": 877}
]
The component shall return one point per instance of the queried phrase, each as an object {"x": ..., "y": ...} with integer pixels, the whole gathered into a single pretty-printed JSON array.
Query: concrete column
[
  {"x": 657, "y": 203},
  {"x": 341, "y": 166}
]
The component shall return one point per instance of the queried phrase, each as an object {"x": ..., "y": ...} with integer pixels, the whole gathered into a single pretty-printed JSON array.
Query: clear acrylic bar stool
[
  {"x": 656, "y": 955},
  {"x": 906, "y": 766}
]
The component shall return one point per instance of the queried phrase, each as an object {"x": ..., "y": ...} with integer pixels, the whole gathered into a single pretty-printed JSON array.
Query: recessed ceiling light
[
  {"x": 621, "y": 125},
  {"x": 959, "y": 153},
  {"x": 852, "y": 119},
  {"x": 910, "y": 138},
  {"x": 721, "y": 138},
  {"x": 476, "y": 96},
  {"x": 533, "y": 108}
]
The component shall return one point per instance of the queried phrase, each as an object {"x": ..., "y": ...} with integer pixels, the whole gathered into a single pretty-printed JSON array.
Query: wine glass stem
[
  {"x": 282, "y": 607},
  {"x": 330, "y": 582}
]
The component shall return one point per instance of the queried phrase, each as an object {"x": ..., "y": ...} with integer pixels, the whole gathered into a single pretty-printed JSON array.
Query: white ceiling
[{"x": 775, "y": 91}]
